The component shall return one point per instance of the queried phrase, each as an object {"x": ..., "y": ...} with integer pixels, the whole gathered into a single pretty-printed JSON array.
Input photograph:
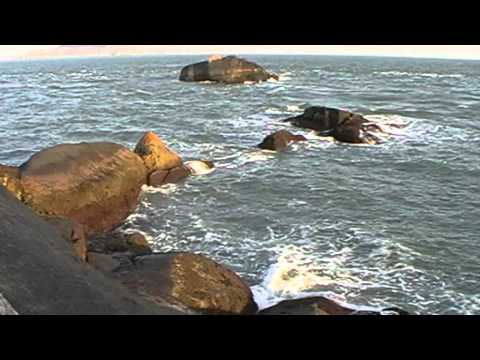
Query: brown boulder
[
  {"x": 280, "y": 140},
  {"x": 156, "y": 154},
  {"x": 162, "y": 177},
  {"x": 72, "y": 232},
  {"x": 96, "y": 184},
  {"x": 319, "y": 306},
  {"x": 10, "y": 178},
  {"x": 188, "y": 280}
]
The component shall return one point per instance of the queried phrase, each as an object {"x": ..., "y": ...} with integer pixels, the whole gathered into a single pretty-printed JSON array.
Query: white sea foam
[
  {"x": 293, "y": 108},
  {"x": 199, "y": 168},
  {"x": 165, "y": 189},
  {"x": 429, "y": 75}
]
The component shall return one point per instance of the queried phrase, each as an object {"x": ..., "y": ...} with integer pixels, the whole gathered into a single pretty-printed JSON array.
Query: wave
[{"x": 429, "y": 75}]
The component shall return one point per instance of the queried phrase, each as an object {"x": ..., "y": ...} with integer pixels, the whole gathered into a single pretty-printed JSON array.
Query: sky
[{"x": 428, "y": 51}]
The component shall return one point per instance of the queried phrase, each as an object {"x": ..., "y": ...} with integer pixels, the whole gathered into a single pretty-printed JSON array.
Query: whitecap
[{"x": 164, "y": 189}]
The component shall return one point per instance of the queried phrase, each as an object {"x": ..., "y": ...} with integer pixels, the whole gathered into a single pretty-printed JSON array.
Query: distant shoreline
[{"x": 117, "y": 56}]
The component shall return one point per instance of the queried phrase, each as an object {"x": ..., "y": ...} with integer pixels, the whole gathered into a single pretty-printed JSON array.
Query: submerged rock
[
  {"x": 319, "y": 306},
  {"x": 189, "y": 280},
  {"x": 156, "y": 154},
  {"x": 280, "y": 140},
  {"x": 41, "y": 275},
  {"x": 230, "y": 69},
  {"x": 94, "y": 184},
  {"x": 343, "y": 125}
]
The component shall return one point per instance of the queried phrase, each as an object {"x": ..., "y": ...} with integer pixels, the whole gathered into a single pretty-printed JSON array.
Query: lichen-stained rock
[
  {"x": 10, "y": 178},
  {"x": 229, "y": 69},
  {"x": 156, "y": 154},
  {"x": 94, "y": 184},
  {"x": 189, "y": 280}
]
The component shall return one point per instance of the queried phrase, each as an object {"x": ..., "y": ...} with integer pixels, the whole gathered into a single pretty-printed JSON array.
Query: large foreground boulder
[
  {"x": 279, "y": 141},
  {"x": 189, "y": 280},
  {"x": 96, "y": 184},
  {"x": 343, "y": 125},
  {"x": 320, "y": 306},
  {"x": 230, "y": 70},
  {"x": 40, "y": 274}
]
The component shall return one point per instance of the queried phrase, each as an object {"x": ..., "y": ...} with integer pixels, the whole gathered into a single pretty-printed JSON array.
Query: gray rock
[{"x": 40, "y": 273}]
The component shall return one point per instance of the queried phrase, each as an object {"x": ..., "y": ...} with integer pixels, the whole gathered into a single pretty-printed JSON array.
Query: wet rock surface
[
  {"x": 188, "y": 280},
  {"x": 321, "y": 306},
  {"x": 280, "y": 140}
]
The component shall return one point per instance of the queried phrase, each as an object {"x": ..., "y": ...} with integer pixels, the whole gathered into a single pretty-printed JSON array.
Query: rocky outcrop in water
[
  {"x": 156, "y": 154},
  {"x": 230, "y": 70},
  {"x": 343, "y": 125},
  {"x": 96, "y": 184},
  {"x": 164, "y": 165},
  {"x": 320, "y": 306},
  {"x": 41, "y": 274},
  {"x": 280, "y": 140},
  {"x": 188, "y": 280}
]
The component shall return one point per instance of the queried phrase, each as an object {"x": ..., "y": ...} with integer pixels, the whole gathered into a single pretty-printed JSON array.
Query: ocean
[{"x": 396, "y": 224}]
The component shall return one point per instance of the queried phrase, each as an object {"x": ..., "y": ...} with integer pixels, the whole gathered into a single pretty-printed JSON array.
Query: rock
[
  {"x": 323, "y": 119},
  {"x": 156, "y": 154},
  {"x": 343, "y": 125},
  {"x": 10, "y": 178},
  {"x": 200, "y": 167},
  {"x": 317, "y": 306},
  {"x": 137, "y": 240},
  {"x": 111, "y": 243},
  {"x": 177, "y": 174},
  {"x": 105, "y": 263},
  {"x": 230, "y": 69},
  {"x": 188, "y": 280},
  {"x": 96, "y": 185},
  {"x": 280, "y": 140},
  {"x": 41, "y": 275},
  {"x": 72, "y": 232},
  {"x": 162, "y": 177}
]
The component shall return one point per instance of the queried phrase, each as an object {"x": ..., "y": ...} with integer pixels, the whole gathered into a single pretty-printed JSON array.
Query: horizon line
[{"x": 21, "y": 59}]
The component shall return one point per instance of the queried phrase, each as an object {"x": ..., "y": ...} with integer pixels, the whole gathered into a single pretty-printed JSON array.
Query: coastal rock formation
[
  {"x": 162, "y": 177},
  {"x": 117, "y": 242},
  {"x": 280, "y": 140},
  {"x": 319, "y": 306},
  {"x": 230, "y": 70},
  {"x": 155, "y": 153},
  {"x": 95, "y": 184},
  {"x": 188, "y": 280},
  {"x": 41, "y": 275},
  {"x": 10, "y": 178},
  {"x": 343, "y": 125},
  {"x": 72, "y": 232}
]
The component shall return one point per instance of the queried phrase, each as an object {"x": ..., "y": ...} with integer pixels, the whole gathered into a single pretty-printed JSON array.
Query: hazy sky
[{"x": 435, "y": 51}]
